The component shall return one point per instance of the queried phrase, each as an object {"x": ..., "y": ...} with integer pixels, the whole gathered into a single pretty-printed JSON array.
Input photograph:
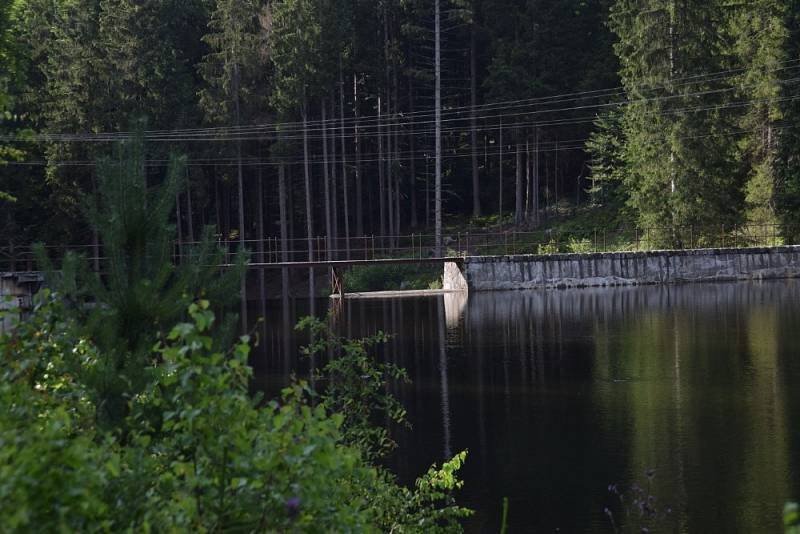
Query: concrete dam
[{"x": 561, "y": 271}]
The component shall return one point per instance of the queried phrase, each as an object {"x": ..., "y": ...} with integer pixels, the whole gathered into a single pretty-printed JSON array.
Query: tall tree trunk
[
  {"x": 389, "y": 122},
  {"x": 413, "y": 158},
  {"x": 527, "y": 179},
  {"x": 326, "y": 181},
  {"x": 500, "y": 168},
  {"x": 381, "y": 178},
  {"x": 473, "y": 90},
  {"x": 240, "y": 186},
  {"x": 555, "y": 179},
  {"x": 179, "y": 225},
  {"x": 536, "y": 179},
  {"x": 334, "y": 187},
  {"x": 284, "y": 227},
  {"x": 357, "y": 141},
  {"x": 309, "y": 219},
  {"x": 262, "y": 286},
  {"x": 518, "y": 183},
  {"x": 190, "y": 212},
  {"x": 398, "y": 174},
  {"x": 438, "y": 121},
  {"x": 345, "y": 193}
]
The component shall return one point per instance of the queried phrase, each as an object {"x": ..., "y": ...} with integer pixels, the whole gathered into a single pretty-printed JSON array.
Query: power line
[{"x": 402, "y": 119}]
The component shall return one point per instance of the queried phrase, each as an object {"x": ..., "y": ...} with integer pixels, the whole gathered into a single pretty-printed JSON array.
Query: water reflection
[{"x": 558, "y": 394}]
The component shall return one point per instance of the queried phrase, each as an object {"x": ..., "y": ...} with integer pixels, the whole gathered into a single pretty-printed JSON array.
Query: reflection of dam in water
[{"x": 557, "y": 394}]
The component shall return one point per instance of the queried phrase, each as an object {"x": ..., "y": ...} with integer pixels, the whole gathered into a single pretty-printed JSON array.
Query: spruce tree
[
  {"x": 678, "y": 149},
  {"x": 142, "y": 288},
  {"x": 760, "y": 35}
]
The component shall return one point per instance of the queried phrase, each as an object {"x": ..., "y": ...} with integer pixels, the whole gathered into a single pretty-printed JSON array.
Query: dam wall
[{"x": 560, "y": 271}]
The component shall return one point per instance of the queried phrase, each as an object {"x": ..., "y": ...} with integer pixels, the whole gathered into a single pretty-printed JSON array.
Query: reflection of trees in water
[
  {"x": 558, "y": 393},
  {"x": 699, "y": 399}
]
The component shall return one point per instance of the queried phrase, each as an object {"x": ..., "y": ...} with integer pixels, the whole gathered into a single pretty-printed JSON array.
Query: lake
[{"x": 576, "y": 401}]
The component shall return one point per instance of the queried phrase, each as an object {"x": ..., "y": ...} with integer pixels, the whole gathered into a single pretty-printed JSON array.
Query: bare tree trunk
[
  {"x": 334, "y": 191},
  {"x": 473, "y": 70},
  {"x": 190, "y": 212},
  {"x": 262, "y": 286},
  {"x": 344, "y": 164},
  {"x": 518, "y": 184},
  {"x": 536, "y": 180},
  {"x": 309, "y": 219},
  {"x": 527, "y": 179},
  {"x": 389, "y": 119},
  {"x": 438, "y": 121},
  {"x": 398, "y": 174},
  {"x": 381, "y": 181},
  {"x": 389, "y": 173},
  {"x": 179, "y": 225},
  {"x": 413, "y": 159},
  {"x": 427, "y": 194},
  {"x": 326, "y": 181},
  {"x": 500, "y": 165},
  {"x": 284, "y": 228},
  {"x": 357, "y": 141},
  {"x": 240, "y": 185},
  {"x": 555, "y": 179}
]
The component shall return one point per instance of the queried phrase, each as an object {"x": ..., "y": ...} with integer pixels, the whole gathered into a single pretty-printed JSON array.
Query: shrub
[{"x": 195, "y": 453}]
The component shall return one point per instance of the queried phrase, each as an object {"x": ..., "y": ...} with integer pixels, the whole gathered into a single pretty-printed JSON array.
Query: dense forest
[{"x": 320, "y": 117}]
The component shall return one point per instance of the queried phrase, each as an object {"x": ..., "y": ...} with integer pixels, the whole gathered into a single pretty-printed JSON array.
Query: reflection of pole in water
[
  {"x": 484, "y": 461},
  {"x": 443, "y": 374}
]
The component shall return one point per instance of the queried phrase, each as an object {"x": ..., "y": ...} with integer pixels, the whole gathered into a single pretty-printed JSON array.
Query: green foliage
[
  {"x": 551, "y": 247},
  {"x": 308, "y": 39},
  {"x": 235, "y": 69},
  {"x": 791, "y": 518},
  {"x": 760, "y": 35},
  {"x": 199, "y": 453},
  {"x": 581, "y": 246},
  {"x": 391, "y": 277},
  {"x": 606, "y": 150},
  {"x": 355, "y": 386},
  {"x": 142, "y": 290},
  {"x": 680, "y": 166}
]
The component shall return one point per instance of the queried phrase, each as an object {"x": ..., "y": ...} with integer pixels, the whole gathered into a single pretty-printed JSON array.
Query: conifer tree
[
  {"x": 142, "y": 289},
  {"x": 680, "y": 161},
  {"x": 760, "y": 35}
]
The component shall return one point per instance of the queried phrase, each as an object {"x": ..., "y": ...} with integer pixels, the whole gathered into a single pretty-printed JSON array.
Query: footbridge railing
[{"x": 273, "y": 251}]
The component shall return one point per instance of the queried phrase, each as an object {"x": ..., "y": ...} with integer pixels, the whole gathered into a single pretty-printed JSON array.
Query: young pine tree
[{"x": 142, "y": 290}]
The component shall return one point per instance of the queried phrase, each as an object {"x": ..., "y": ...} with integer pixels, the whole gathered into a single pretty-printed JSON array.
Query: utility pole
[
  {"x": 473, "y": 69},
  {"x": 438, "y": 120}
]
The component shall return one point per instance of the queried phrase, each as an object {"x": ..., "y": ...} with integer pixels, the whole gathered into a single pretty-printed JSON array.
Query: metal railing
[{"x": 272, "y": 250}]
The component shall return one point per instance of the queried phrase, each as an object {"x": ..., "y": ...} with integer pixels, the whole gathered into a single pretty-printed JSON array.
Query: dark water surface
[{"x": 558, "y": 394}]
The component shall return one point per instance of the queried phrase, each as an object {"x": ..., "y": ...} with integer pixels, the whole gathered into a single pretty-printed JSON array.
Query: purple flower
[{"x": 292, "y": 507}]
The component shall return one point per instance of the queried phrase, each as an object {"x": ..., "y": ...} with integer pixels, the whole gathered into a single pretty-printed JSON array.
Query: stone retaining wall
[{"x": 487, "y": 273}]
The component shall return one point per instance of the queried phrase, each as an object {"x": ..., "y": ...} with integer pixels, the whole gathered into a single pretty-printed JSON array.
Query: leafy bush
[
  {"x": 551, "y": 247},
  {"x": 195, "y": 452},
  {"x": 355, "y": 387},
  {"x": 580, "y": 246}
]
